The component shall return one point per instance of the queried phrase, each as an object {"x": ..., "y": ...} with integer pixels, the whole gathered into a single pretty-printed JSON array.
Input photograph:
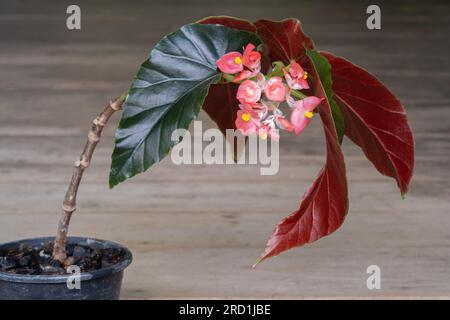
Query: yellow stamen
[
  {"x": 305, "y": 75},
  {"x": 309, "y": 114},
  {"x": 246, "y": 117},
  {"x": 238, "y": 60},
  {"x": 263, "y": 135}
]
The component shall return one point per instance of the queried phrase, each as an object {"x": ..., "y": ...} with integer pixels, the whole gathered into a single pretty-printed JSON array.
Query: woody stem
[{"x": 69, "y": 203}]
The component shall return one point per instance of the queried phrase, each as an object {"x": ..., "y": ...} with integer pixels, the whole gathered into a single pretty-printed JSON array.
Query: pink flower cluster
[{"x": 260, "y": 95}]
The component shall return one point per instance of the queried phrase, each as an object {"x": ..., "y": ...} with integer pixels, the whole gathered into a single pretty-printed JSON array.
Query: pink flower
[
  {"x": 249, "y": 92},
  {"x": 275, "y": 89},
  {"x": 247, "y": 122},
  {"x": 268, "y": 131},
  {"x": 230, "y": 63},
  {"x": 246, "y": 74},
  {"x": 251, "y": 59},
  {"x": 296, "y": 78},
  {"x": 255, "y": 109},
  {"x": 303, "y": 112},
  {"x": 284, "y": 124}
]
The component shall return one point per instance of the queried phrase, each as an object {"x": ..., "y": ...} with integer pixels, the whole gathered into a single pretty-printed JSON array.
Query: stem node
[{"x": 69, "y": 204}]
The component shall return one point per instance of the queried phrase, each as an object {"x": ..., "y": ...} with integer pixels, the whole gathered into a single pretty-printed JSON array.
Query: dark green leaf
[
  {"x": 168, "y": 93},
  {"x": 323, "y": 68}
]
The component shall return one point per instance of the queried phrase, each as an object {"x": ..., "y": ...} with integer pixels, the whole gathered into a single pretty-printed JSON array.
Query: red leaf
[
  {"x": 374, "y": 119},
  {"x": 325, "y": 204},
  {"x": 230, "y": 22},
  {"x": 221, "y": 105},
  {"x": 284, "y": 40}
]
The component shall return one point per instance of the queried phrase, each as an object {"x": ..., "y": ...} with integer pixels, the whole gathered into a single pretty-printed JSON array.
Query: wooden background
[{"x": 196, "y": 230}]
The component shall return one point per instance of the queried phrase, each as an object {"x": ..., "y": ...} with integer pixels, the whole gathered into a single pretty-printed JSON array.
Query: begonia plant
[{"x": 241, "y": 73}]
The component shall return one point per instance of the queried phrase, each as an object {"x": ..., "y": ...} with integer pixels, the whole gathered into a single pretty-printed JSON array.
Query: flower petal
[
  {"x": 251, "y": 59},
  {"x": 275, "y": 89},
  {"x": 298, "y": 120},
  {"x": 249, "y": 92},
  {"x": 311, "y": 103},
  {"x": 284, "y": 124},
  {"x": 230, "y": 62},
  {"x": 244, "y": 75}
]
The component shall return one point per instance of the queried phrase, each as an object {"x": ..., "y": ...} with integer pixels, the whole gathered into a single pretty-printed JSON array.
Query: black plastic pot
[{"x": 102, "y": 284}]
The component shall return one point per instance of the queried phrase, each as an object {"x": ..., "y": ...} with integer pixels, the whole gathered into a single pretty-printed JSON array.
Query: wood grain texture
[{"x": 196, "y": 230}]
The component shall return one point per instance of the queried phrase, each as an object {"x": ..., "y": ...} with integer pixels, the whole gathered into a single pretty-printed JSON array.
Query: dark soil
[{"x": 38, "y": 260}]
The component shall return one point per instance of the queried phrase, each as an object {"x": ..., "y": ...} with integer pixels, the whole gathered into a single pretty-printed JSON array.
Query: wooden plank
[{"x": 196, "y": 230}]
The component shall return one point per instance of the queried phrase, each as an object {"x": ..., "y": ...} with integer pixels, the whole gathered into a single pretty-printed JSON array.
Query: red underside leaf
[
  {"x": 283, "y": 40},
  {"x": 221, "y": 105},
  {"x": 325, "y": 204},
  {"x": 374, "y": 119},
  {"x": 230, "y": 22}
]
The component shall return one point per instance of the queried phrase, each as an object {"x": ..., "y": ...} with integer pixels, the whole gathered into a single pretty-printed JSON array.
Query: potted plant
[{"x": 243, "y": 75}]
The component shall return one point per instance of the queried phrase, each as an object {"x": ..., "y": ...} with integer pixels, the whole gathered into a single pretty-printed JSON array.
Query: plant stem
[
  {"x": 228, "y": 77},
  {"x": 277, "y": 69},
  {"x": 69, "y": 204},
  {"x": 298, "y": 94}
]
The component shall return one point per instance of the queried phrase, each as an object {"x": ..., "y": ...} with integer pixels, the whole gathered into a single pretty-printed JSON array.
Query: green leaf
[
  {"x": 323, "y": 68},
  {"x": 168, "y": 93},
  {"x": 277, "y": 69}
]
